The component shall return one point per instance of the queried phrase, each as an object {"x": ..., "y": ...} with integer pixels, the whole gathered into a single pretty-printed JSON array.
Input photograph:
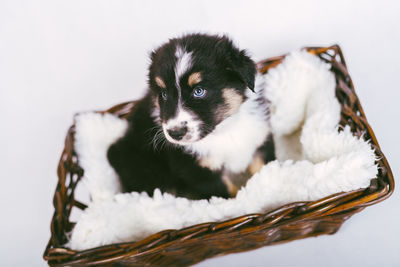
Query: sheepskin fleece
[{"x": 313, "y": 161}]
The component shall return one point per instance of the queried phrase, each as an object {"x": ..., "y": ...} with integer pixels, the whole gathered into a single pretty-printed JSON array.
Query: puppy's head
[{"x": 196, "y": 82}]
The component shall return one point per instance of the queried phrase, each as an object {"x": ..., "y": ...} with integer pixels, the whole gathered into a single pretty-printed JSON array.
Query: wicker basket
[{"x": 193, "y": 244}]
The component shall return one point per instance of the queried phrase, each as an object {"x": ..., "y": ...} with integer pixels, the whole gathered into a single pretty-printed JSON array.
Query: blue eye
[
  {"x": 164, "y": 95},
  {"x": 199, "y": 92}
]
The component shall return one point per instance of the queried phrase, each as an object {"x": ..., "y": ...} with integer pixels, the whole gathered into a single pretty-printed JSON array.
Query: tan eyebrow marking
[
  {"x": 194, "y": 78},
  {"x": 160, "y": 82}
]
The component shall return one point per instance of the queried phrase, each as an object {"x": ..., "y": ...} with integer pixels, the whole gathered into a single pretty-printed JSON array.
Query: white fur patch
[
  {"x": 328, "y": 162},
  {"x": 183, "y": 64}
]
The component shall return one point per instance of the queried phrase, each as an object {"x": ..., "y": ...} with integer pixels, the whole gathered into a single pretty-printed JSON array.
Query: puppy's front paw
[{"x": 232, "y": 189}]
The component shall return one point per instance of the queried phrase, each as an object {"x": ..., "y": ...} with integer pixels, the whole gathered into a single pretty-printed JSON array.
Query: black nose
[{"x": 177, "y": 133}]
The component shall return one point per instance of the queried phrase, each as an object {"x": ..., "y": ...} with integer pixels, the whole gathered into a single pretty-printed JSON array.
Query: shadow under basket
[{"x": 193, "y": 244}]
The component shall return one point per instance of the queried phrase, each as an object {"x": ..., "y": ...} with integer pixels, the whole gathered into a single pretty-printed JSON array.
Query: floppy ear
[
  {"x": 245, "y": 68},
  {"x": 238, "y": 62}
]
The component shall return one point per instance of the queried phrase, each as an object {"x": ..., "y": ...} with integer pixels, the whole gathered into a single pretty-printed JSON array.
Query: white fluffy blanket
[{"x": 314, "y": 161}]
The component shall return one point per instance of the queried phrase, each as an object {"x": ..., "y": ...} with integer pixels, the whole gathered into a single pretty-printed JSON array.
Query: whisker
[
  {"x": 148, "y": 131},
  {"x": 158, "y": 139}
]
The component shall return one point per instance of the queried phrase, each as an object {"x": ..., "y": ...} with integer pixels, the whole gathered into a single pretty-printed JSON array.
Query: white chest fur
[{"x": 234, "y": 141}]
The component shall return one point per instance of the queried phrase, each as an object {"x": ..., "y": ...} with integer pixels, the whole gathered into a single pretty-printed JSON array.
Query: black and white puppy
[{"x": 201, "y": 127}]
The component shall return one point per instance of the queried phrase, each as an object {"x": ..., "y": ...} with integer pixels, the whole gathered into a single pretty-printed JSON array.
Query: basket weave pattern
[{"x": 192, "y": 244}]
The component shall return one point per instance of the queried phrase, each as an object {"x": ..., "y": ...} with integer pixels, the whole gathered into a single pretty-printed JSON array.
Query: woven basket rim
[{"x": 340, "y": 203}]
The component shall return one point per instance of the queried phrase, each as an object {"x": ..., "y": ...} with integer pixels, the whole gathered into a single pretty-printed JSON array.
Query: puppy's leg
[{"x": 232, "y": 188}]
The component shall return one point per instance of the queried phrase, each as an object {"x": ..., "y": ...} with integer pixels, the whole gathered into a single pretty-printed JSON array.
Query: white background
[{"x": 61, "y": 57}]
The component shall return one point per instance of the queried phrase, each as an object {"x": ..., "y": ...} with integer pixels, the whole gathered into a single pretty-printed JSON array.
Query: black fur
[
  {"x": 141, "y": 167},
  {"x": 144, "y": 166}
]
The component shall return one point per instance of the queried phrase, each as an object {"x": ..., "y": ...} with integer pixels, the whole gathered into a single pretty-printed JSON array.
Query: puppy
[{"x": 202, "y": 128}]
